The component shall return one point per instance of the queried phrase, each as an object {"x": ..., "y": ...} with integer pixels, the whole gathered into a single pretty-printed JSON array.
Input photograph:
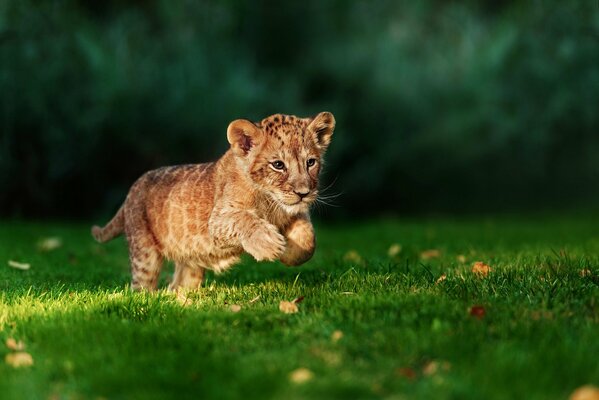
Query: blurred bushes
[{"x": 440, "y": 106}]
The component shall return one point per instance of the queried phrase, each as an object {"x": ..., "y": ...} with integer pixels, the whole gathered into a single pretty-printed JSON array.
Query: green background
[{"x": 440, "y": 106}]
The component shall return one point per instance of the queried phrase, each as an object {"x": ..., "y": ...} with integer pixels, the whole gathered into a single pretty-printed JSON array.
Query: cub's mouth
[
  {"x": 294, "y": 205},
  {"x": 299, "y": 207}
]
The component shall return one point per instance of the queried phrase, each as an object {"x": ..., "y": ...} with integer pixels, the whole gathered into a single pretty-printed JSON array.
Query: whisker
[
  {"x": 327, "y": 199},
  {"x": 331, "y": 196},
  {"x": 329, "y": 185},
  {"x": 320, "y": 201}
]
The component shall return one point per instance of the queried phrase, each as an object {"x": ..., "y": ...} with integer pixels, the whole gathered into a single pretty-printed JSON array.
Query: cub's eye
[
  {"x": 278, "y": 164},
  {"x": 311, "y": 162}
]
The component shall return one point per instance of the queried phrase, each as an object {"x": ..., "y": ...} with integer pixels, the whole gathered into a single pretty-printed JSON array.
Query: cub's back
[{"x": 176, "y": 202}]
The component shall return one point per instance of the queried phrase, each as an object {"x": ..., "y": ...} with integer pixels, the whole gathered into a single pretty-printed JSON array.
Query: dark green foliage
[{"x": 441, "y": 106}]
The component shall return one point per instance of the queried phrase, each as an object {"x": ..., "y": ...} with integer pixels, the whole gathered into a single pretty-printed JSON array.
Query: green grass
[{"x": 91, "y": 338}]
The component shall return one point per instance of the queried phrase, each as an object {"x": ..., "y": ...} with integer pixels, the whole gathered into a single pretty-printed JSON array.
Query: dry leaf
[
  {"x": 406, "y": 372},
  {"x": 586, "y": 392},
  {"x": 584, "y": 272},
  {"x": 394, "y": 250},
  {"x": 353, "y": 256},
  {"x": 49, "y": 244},
  {"x": 235, "y": 307},
  {"x": 255, "y": 299},
  {"x": 15, "y": 345},
  {"x": 481, "y": 269},
  {"x": 477, "y": 311},
  {"x": 433, "y": 367},
  {"x": 431, "y": 253},
  {"x": 336, "y": 336},
  {"x": 288, "y": 307},
  {"x": 19, "y": 359},
  {"x": 18, "y": 265},
  {"x": 461, "y": 258},
  {"x": 441, "y": 279},
  {"x": 301, "y": 375}
]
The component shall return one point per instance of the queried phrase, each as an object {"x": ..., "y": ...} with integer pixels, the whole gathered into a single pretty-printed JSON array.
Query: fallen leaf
[
  {"x": 477, "y": 311},
  {"x": 481, "y": 269},
  {"x": 431, "y": 368},
  {"x": 586, "y": 392},
  {"x": 15, "y": 345},
  {"x": 434, "y": 366},
  {"x": 336, "y": 336},
  {"x": 406, "y": 372},
  {"x": 235, "y": 308},
  {"x": 19, "y": 359},
  {"x": 298, "y": 300},
  {"x": 353, "y": 256},
  {"x": 461, "y": 258},
  {"x": 288, "y": 307},
  {"x": 394, "y": 250},
  {"x": 255, "y": 299},
  {"x": 584, "y": 272},
  {"x": 431, "y": 253},
  {"x": 18, "y": 265},
  {"x": 49, "y": 244},
  {"x": 301, "y": 375},
  {"x": 440, "y": 279}
]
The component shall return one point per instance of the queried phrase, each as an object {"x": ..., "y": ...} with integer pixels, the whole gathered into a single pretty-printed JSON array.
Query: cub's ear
[
  {"x": 322, "y": 127},
  {"x": 243, "y": 136}
]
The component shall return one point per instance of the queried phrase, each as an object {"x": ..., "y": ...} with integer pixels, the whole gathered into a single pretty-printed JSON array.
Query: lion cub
[{"x": 255, "y": 198}]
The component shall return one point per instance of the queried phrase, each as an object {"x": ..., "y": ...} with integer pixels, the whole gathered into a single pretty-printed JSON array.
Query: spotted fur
[{"x": 204, "y": 216}]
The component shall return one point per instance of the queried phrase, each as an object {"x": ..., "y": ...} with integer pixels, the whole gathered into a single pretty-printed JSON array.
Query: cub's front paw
[{"x": 265, "y": 244}]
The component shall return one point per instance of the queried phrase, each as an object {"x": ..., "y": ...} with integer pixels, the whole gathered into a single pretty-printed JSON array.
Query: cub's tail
[{"x": 114, "y": 228}]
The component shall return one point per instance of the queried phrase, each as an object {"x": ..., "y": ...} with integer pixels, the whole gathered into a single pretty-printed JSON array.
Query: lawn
[{"x": 415, "y": 324}]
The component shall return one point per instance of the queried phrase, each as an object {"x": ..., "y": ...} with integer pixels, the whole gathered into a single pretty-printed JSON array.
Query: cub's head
[{"x": 282, "y": 155}]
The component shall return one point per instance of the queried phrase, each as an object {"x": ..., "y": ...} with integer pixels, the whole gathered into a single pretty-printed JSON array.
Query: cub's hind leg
[
  {"x": 146, "y": 260},
  {"x": 187, "y": 277}
]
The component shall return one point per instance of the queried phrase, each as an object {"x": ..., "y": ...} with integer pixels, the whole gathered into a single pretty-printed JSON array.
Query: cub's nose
[{"x": 302, "y": 192}]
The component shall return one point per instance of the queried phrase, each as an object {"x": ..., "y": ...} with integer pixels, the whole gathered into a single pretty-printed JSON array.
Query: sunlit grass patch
[{"x": 377, "y": 324}]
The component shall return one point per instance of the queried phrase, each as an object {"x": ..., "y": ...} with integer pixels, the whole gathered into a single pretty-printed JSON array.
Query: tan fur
[{"x": 203, "y": 216}]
